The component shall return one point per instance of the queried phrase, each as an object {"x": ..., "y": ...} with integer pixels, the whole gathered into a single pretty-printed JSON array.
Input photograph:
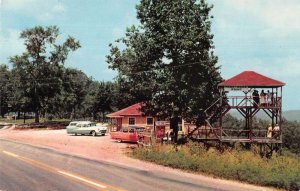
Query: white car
[{"x": 86, "y": 128}]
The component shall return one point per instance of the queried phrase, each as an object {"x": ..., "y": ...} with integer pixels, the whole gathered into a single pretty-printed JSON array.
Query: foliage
[
  {"x": 39, "y": 69},
  {"x": 5, "y": 89},
  {"x": 279, "y": 171},
  {"x": 168, "y": 61},
  {"x": 291, "y": 136},
  {"x": 74, "y": 91},
  {"x": 100, "y": 99}
]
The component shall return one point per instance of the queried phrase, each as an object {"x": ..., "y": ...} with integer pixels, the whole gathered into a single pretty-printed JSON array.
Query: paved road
[{"x": 24, "y": 167}]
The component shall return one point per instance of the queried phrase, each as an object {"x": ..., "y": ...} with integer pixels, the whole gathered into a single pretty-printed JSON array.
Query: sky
[{"x": 258, "y": 35}]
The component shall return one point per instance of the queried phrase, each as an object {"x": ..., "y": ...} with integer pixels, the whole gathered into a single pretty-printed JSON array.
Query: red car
[{"x": 128, "y": 134}]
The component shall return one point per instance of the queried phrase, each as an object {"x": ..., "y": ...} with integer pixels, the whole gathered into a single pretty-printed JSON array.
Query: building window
[
  {"x": 149, "y": 120},
  {"x": 131, "y": 121}
]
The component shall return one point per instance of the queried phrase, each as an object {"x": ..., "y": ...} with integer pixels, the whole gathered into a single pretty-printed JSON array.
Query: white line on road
[
  {"x": 11, "y": 154},
  {"x": 79, "y": 178},
  {"x": 82, "y": 179}
]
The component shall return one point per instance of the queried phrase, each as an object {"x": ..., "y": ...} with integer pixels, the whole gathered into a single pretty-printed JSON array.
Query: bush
[{"x": 279, "y": 171}]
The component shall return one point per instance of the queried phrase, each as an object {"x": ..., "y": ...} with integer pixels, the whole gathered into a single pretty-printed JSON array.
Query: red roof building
[
  {"x": 134, "y": 110},
  {"x": 130, "y": 116},
  {"x": 251, "y": 79}
]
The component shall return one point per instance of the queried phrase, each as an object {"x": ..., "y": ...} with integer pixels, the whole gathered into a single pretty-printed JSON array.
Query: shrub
[{"x": 279, "y": 171}]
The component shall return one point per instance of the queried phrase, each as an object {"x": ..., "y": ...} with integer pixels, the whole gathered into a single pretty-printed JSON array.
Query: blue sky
[{"x": 259, "y": 35}]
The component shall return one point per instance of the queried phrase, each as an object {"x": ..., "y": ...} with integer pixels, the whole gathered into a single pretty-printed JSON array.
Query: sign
[
  {"x": 160, "y": 123},
  {"x": 238, "y": 88},
  {"x": 160, "y": 128},
  {"x": 160, "y": 132}
]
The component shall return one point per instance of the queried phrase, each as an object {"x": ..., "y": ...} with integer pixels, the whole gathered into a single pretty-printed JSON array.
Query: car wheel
[
  {"x": 103, "y": 134},
  {"x": 75, "y": 134},
  {"x": 119, "y": 140},
  {"x": 94, "y": 133}
]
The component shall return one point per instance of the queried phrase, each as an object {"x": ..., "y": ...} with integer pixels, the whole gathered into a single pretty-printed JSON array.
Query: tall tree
[
  {"x": 100, "y": 99},
  {"x": 168, "y": 61},
  {"x": 75, "y": 90},
  {"x": 90, "y": 102},
  {"x": 40, "y": 67},
  {"x": 105, "y": 98},
  {"x": 5, "y": 89}
]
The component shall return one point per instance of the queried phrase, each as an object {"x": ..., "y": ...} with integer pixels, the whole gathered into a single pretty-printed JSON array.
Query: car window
[
  {"x": 125, "y": 130},
  {"x": 73, "y": 124},
  {"x": 131, "y": 130},
  {"x": 139, "y": 129}
]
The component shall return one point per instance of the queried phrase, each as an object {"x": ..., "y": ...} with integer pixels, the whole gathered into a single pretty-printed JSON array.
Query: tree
[
  {"x": 105, "y": 98},
  {"x": 75, "y": 90},
  {"x": 40, "y": 67},
  {"x": 168, "y": 61},
  {"x": 291, "y": 135},
  {"x": 5, "y": 90},
  {"x": 90, "y": 101},
  {"x": 100, "y": 99}
]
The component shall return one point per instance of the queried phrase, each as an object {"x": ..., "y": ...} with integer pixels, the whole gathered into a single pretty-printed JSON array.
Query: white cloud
[
  {"x": 281, "y": 68},
  {"x": 285, "y": 67},
  {"x": 281, "y": 18},
  {"x": 41, "y": 10},
  {"x": 11, "y": 44},
  {"x": 17, "y": 4},
  {"x": 59, "y": 8}
]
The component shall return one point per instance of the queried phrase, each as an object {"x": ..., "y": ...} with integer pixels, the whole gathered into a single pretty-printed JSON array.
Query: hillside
[{"x": 292, "y": 115}]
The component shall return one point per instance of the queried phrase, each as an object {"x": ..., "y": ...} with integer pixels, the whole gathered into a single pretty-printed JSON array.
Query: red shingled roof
[
  {"x": 131, "y": 110},
  {"x": 251, "y": 79}
]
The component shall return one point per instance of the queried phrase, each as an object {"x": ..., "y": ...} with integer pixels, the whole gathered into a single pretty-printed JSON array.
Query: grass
[
  {"x": 21, "y": 121},
  {"x": 279, "y": 171},
  {"x": 44, "y": 123}
]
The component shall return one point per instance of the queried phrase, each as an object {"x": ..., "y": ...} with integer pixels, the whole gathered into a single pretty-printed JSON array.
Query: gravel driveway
[{"x": 98, "y": 148}]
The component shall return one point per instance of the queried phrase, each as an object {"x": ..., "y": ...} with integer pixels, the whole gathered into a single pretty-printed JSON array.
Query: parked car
[
  {"x": 86, "y": 128},
  {"x": 128, "y": 134}
]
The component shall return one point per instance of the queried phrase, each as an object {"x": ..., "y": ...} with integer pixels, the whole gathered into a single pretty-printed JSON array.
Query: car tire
[
  {"x": 119, "y": 140},
  {"x": 103, "y": 134},
  {"x": 75, "y": 134},
  {"x": 94, "y": 134}
]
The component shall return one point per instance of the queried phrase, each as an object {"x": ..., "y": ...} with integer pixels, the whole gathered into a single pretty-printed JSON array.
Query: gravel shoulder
[{"x": 103, "y": 148}]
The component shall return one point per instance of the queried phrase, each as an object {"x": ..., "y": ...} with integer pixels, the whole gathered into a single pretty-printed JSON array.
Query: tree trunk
[
  {"x": 72, "y": 116},
  {"x": 103, "y": 117},
  {"x": 174, "y": 125},
  {"x": 37, "y": 117}
]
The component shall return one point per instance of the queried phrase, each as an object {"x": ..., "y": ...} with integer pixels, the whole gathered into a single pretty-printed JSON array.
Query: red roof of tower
[
  {"x": 251, "y": 79},
  {"x": 131, "y": 110}
]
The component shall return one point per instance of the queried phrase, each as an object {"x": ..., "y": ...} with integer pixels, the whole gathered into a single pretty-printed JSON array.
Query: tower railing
[{"x": 248, "y": 101}]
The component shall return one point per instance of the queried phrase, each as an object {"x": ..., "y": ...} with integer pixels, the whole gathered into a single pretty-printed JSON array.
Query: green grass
[
  {"x": 21, "y": 121},
  {"x": 279, "y": 171}
]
